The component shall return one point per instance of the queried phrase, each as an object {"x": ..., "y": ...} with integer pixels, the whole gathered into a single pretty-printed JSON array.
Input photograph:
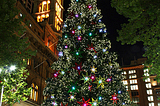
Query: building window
[
  {"x": 147, "y": 80},
  {"x": 58, "y": 20},
  {"x": 151, "y": 104},
  {"x": 125, "y": 82},
  {"x": 124, "y": 72},
  {"x": 134, "y": 93},
  {"x": 43, "y": 10},
  {"x": 158, "y": 97},
  {"x": 34, "y": 92},
  {"x": 134, "y": 87},
  {"x": 28, "y": 61},
  {"x": 157, "y": 91},
  {"x": 148, "y": 85},
  {"x": 133, "y": 81},
  {"x": 126, "y": 87},
  {"x": 150, "y": 98},
  {"x": 149, "y": 92},
  {"x": 135, "y": 100},
  {"x": 132, "y": 71},
  {"x": 132, "y": 76},
  {"x": 146, "y": 72}
]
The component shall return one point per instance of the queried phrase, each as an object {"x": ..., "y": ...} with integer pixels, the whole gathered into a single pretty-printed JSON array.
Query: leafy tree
[
  {"x": 143, "y": 25},
  {"x": 13, "y": 51}
]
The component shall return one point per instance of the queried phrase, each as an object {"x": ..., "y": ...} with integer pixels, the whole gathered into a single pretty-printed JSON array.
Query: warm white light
[
  {"x": 44, "y": 2},
  {"x": 72, "y": 97},
  {"x": 12, "y": 68},
  {"x": 93, "y": 69}
]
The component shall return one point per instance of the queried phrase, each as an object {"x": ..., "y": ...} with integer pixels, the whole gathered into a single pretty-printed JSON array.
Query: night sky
[{"x": 112, "y": 20}]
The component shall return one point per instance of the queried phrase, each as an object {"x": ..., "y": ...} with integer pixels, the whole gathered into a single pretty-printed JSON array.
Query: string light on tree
[
  {"x": 93, "y": 69},
  {"x": 60, "y": 54}
]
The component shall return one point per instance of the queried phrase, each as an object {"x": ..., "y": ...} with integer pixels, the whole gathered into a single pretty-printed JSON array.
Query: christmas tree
[{"x": 86, "y": 72}]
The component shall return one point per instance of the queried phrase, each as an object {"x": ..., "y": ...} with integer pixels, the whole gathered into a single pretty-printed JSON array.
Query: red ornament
[
  {"x": 92, "y": 77},
  {"x": 55, "y": 75},
  {"x": 78, "y": 67},
  {"x": 91, "y": 47},
  {"x": 109, "y": 79},
  {"x": 89, "y": 6},
  {"x": 84, "y": 103},
  {"x": 90, "y": 87},
  {"x": 114, "y": 98},
  {"x": 65, "y": 105},
  {"x": 93, "y": 23},
  {"x": 71, "y": 15},
  {"x": 72, "y": 32}
]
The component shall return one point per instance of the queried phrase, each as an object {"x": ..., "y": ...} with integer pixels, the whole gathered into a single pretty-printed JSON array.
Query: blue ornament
[
  {"x": 94, "y": 56},
  {"x": 60, "y": 54},
  {"x": 119, "y": 92}
]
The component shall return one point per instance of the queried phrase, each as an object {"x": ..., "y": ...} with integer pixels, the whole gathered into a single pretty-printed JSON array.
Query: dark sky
[{"x": 112, "y": 20}]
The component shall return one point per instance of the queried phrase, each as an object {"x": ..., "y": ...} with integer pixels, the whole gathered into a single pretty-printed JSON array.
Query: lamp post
[{"x": 11, "y": 68}]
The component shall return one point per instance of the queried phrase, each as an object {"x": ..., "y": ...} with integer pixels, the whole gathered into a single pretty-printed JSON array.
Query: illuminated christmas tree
[{"x": 86, "y": 72}]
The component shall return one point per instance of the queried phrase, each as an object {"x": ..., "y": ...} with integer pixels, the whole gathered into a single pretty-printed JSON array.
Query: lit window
[
  {"x": 20, "y": 15},
  {"x": 146, "y": 72},
  {"x": 151, "y": 104},
  {"x": 28, "y": 61},
  {"x": 135, "y": 100},
  {"x": 149, "y": 92},
  {"x": 148, "y": 85},
  {"x": 147, "y": 80},
  {"x": 134, "y": 87},
  {"x": 125, "y": 82},
  {"x": 34, "y": 92},
  {"x": 124, "y": 72},
  {"x": 133, "y": 81},
  {"x": 150, "y": 98},
  {"x": 132, "y": 71},
  {"x": 43, "y": 10},
  {"x": 132, "y": 76},
  {"x": 126, "y": 87},
  {"x": 58, "y": 20}
]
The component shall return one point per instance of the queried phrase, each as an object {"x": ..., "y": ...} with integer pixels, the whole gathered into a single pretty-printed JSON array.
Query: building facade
[
  {"x": 143, "y": 92},
  {"x": 44, "y": 18}
]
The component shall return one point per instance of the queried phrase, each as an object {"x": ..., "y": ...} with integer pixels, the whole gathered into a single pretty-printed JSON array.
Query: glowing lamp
[
  {"x": 84, "y": 104},
  {"x": 73, "y": 32},
  {"x": 79, "y": 27},
  {"x": 95, "y": 15},
  {"x": 89, "y": 6},
  {"x": 95, "y": 103},
  {"x": 65, "y": 25},
  {"x": 12, "y": 68},
  {"x": 100, "y": 98},
  {"x": 79, "y": 67},
  {"x": 76, "y": 15},
  {"x": 109, "y": 79},
  {"x": 77, "y": 53},
  {"x": 60, "y": 54},
  {"x": 63, "y": 72},
  {"x": 119, "y": 92},
  {"x": 66, "y": 47},
  {"x": 94, "y": 56},
  {"x": 114, "y": 98},
  {"x": 72, "y": 97},
  {"x": 86, "y": 78},
  {"x": 104, "y": 50},
  {"x": 92, "y": 77},
  {"x": 90, "y": 34},
  {"x": 79, "y": 38},
  {"x": 93, "y": 69},
  {"x": 100, "y": 81},
  {"x": 73, "y": 88},
  {"x": 100, "y": 30}
]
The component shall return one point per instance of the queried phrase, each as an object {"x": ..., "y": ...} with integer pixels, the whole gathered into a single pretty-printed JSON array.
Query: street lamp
[{"x": 11, "y": 68}]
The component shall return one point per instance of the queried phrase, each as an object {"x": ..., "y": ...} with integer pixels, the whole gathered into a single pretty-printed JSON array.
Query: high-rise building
[
  {"x": 45, "y": 18},
  {"x": 143, "y": 92}
]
